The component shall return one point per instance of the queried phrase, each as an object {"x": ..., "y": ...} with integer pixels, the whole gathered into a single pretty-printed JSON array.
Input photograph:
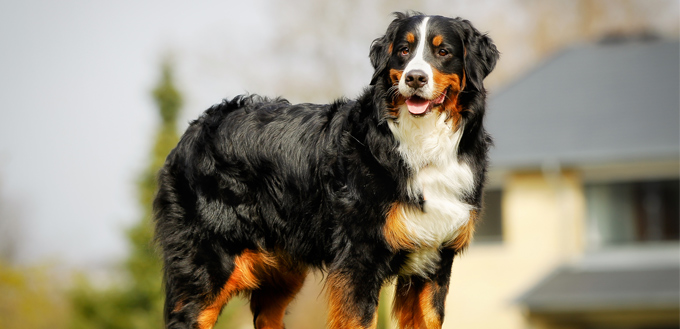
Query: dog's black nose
[{"x": 416, "y": 79}]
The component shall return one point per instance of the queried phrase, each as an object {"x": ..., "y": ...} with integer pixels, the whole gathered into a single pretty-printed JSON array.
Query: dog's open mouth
[{"x": 421, "y": 106}]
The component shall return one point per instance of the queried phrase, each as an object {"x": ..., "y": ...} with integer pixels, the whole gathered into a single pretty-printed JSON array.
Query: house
[{"x": 581, "y": 227}]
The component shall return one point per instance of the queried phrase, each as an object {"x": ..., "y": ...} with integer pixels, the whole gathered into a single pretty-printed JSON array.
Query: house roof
[
  {"x": 570, "y": 290},
  {"x": 623, "y": 279},
  {"x": 595, "y": 103}
]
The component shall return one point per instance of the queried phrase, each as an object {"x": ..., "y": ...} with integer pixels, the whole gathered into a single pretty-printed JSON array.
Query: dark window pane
[
  {"x": 490, "y": 228},
  {"x": 629, "y": 212}
]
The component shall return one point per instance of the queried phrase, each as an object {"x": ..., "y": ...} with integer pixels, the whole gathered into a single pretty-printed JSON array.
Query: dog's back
[{"x": 248, "y": 171}]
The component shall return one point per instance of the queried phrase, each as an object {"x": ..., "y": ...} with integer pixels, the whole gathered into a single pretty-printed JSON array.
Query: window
[
  {"x": 632, "y": 212},
  {"x": 490, "y": 227}
]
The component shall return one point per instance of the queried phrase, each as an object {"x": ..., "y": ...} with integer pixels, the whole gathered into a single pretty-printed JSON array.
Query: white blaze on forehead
[{"x": 418, "y": 62}]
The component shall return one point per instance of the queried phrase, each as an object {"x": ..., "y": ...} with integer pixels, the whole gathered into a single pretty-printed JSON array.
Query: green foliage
[
  {"x": 30, "y": 299},
  {"x": 136, "y": 300},
  {"x": 167, "y": 97},
  {"x": 117, "y": 306}
]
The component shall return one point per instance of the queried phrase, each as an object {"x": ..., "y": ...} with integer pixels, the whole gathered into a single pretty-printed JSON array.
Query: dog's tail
[
  {"x": 168, "y": 213},
  {"x": 174, "y": 207}
]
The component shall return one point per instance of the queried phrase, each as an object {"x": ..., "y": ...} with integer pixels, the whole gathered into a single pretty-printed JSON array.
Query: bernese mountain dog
[{"x": 384, "y": 188}]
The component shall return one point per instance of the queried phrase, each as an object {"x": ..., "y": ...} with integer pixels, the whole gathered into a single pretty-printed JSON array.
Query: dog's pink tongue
[{"x": 417, "y": 105}]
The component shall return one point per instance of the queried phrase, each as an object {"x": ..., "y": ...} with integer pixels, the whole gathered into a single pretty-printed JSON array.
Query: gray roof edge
[
  {"x": 642, "y": 256},
  {"x": 659, "y": 154},
  {"x": 547, "y": 60},
  {"x": 523, "y": 298},
  {"x": 622, "y": 259},
  {"x": 667, "y": 302},
  {"x": 541, "y": 64},
  {"x": 565, "y": 304}
]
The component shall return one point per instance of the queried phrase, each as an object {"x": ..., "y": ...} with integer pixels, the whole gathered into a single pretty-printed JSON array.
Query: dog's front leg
[
  {"x": 419, "y": 302},
  {"x": 352, "y": 299}
]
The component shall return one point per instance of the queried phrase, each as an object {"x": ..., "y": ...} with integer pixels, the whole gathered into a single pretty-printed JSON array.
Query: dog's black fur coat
[{"x": 310, "y": 184}]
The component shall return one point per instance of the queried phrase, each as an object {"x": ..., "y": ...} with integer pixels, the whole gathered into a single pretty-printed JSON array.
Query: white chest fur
[{"x": 429, "y": 146}]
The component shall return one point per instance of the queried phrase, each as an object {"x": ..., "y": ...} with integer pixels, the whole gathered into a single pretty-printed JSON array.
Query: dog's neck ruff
[{"x": 429, "y": 146}]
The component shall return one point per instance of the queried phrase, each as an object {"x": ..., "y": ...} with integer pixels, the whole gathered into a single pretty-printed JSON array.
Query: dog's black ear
[
  {"x": 379, "y": 56},
  {"x": 381, "y": 48},
  {"x": 480, "y": 55}
]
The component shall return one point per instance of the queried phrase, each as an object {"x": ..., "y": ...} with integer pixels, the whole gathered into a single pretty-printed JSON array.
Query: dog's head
[{"x": 425, "y": 62}]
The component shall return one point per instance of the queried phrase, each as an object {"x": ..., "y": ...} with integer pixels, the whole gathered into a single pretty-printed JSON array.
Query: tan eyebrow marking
[
  {"x": 437, "y": 40},
  {"x": 410, "y": 37}
]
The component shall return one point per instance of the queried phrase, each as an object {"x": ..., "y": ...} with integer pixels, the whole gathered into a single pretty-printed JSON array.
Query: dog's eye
[
  {"x": 443, "y": 52},
  {"x": 404, "y": 51}
]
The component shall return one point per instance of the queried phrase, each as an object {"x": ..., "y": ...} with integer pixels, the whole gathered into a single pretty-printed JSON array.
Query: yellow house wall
[{"x": 543, "y": 220}]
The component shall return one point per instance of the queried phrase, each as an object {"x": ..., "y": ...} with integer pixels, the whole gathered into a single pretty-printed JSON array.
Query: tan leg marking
[
  {"x": 342, "y": 311},
  {"x": 269, "y": 302},
  {"x": 248, "y": 267},
  {"x": 414, "y": 308}
]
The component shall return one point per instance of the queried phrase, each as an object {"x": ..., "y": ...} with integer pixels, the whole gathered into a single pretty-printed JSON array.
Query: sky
[{"x": 76, "y": 114}]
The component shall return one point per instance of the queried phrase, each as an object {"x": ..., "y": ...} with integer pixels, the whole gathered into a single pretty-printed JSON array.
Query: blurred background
[{"x": 581, "y": 222}]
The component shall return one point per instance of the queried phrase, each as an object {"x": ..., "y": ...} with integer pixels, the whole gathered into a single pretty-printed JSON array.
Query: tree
[
  {"x": 136, "y": 301},
  {"x": 30, "y": 298}
]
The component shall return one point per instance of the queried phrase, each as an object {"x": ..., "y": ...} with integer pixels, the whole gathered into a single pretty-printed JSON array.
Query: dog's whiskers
[
  {"x": 393, "y": 92},
  {"x": 444, "y": 91}
]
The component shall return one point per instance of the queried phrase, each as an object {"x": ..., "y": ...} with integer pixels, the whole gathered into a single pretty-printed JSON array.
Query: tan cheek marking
[
  {"x": 389, "y": 49},
  {"x": 395, "y": 76},
  {"x": 437, "y": 40},
  {"x": 443, "y": 81},
  {"x": 453, "y": 83},
  {"x": 395, "y": 231},
  {"x": 397, "y": 99}
]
